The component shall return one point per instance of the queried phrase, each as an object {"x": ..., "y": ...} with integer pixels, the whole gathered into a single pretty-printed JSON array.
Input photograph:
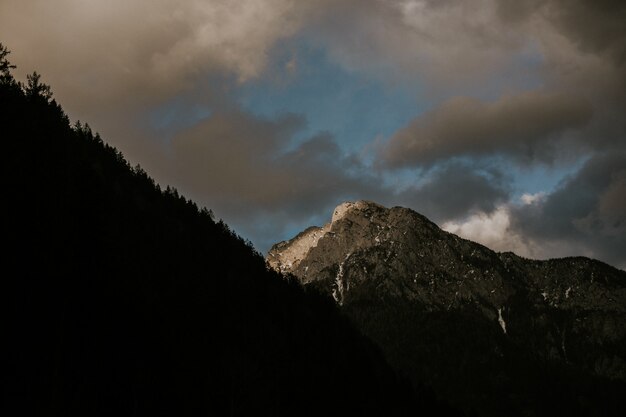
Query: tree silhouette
[
  {"x": 5, "y": 65},
  {"x": 6, "y": 78},
  {"x": 35, "y": 88}
]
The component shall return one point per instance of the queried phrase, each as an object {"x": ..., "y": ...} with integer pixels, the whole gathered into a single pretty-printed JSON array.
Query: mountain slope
[
  {"x": 123, "y": 299},
  {"x": 494, "y": 333}
]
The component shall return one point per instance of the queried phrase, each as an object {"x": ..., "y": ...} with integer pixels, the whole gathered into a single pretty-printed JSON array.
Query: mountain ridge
[{"x": 390, "y": 267}]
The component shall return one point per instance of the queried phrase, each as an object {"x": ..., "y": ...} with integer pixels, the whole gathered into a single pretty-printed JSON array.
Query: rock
[{"x": 418, "y": 290}]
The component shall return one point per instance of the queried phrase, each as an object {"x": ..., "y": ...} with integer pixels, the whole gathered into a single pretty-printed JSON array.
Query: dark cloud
[
  {"x": 596, "y": 26},
  {"x": 586, "y": 215},
  {"x": 522, "y": 126},
  {"x": 249, "y": 170},
  {"x": 107, "y": 56},
  {"x": 456, "y": 189},
  {"x": 512, "y": 11},
  {"x": 449, "y": 44}
]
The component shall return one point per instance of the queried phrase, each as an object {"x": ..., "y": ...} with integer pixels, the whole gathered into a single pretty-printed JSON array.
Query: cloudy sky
[{"x": 502, "y": 120}]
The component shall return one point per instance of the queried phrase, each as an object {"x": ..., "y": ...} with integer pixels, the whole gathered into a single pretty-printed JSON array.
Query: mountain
[
  {"x": 120, "y": 298},
  {"x": 493, "y": 333}
]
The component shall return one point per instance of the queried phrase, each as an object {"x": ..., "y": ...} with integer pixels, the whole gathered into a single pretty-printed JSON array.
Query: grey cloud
[
  {"x": 512, "y": 11},
  {"x": 522, "y": 126},
  {"x": 586, "y": 215},
  {"x": 596, "y": 26},
  {"x": 248, "y": 170},
  {"x": 455, "y": 47},
  {"x": 106, "y": 55},
  {"x": 450, "y": 44},
  {"x": 149, "y": 49},
  {"x": 456, "y": 190}
]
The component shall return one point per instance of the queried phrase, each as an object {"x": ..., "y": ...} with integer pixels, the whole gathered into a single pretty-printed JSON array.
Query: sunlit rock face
[
  {"x": 286, "y": 256},
  {"x": 422, "y": 292}
]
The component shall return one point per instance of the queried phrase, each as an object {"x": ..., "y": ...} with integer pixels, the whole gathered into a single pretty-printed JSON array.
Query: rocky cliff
[{"x": 474, "y": 324}]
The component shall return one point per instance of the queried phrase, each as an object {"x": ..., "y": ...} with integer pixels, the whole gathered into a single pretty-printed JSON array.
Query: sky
[{"x": 503, "y": 121}]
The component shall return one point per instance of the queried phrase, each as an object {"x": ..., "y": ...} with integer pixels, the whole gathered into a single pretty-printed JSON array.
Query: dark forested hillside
[{"x": 125, "y": 299}]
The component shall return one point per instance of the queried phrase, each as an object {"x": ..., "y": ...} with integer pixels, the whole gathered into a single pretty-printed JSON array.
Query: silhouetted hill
[
  {"x": 125, "y": 299},
  {"x": 490, "y": 332}
]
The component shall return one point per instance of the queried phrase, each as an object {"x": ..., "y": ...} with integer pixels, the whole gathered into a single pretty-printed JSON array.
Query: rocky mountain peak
[
  {"x": 360, "y": 206},
  {"x": 286, "y": 256},
  {"x": 371, "y": 258}
]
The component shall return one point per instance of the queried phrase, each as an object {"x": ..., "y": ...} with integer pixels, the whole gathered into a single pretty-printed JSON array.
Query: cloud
[
  {"x": 253, "y": 174},
  {"x": 595, "y": 26},
  {"x": 493, "y": 229},
  {"x": 456, "y": 189},
  {"x": 119, "y": 53},
  {"x": 151, "y": 48},
  {"x": 523, "y": 126},
  {"x": 586, "y": 215},
  {"x": 528, "y": 199},
  {"x": 455, "y": 42},
  {"x": 448, "y": 44}
]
